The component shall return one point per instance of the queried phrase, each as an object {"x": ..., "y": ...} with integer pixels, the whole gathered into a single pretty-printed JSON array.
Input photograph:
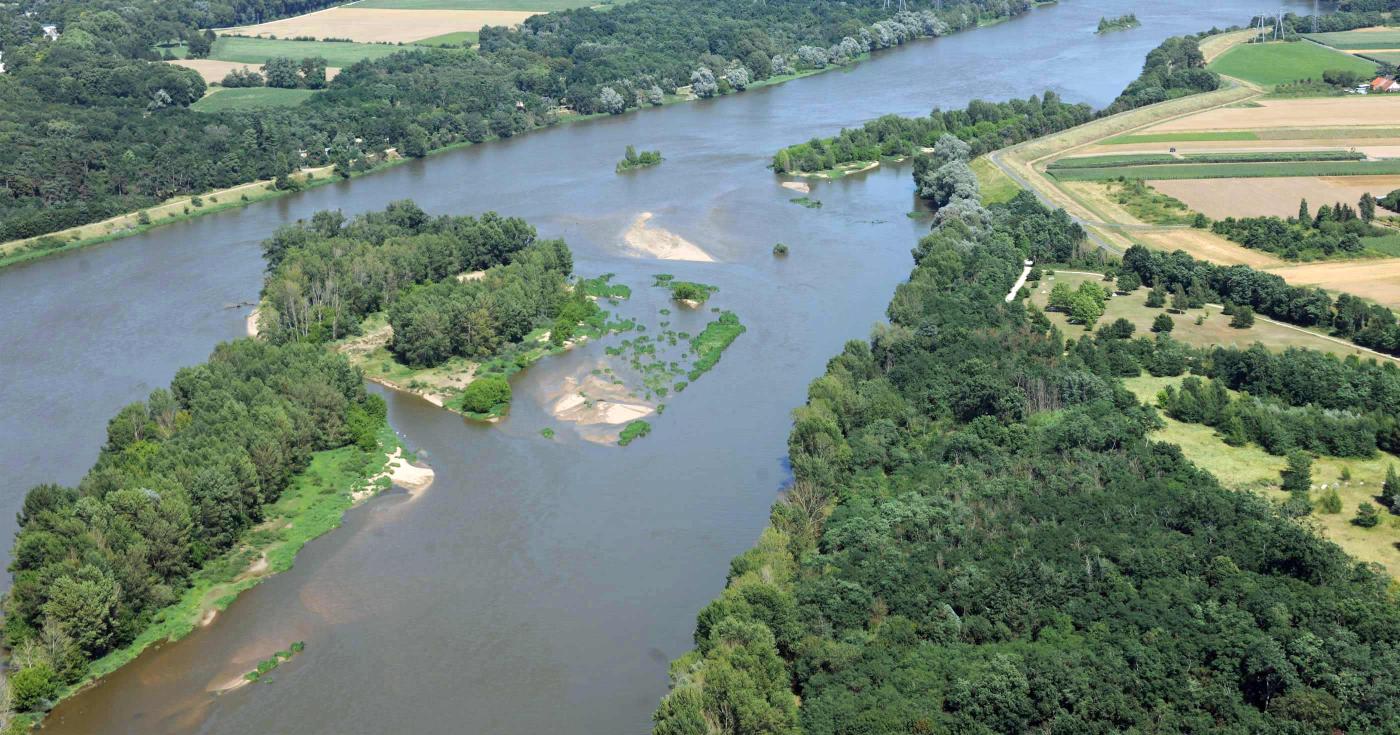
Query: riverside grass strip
[{"x": 1232, "y": 170}]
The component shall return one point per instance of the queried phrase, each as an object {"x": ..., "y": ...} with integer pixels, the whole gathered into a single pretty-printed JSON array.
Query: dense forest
[
  {"x": 1366, "y": 324},
  {"x": 93, "y": 124},
  {"x": 1173, "y": 69},
  {"x": 980, "y": 538},
  {"x": 181, "y": 476},
  {"x": 451, "y": 285}
]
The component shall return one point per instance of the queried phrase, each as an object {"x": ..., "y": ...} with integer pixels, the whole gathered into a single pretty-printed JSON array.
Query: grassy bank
[{"x": 312, "y": 505}]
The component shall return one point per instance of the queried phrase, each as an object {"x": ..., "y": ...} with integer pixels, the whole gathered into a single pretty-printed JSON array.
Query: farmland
[
  {"x": 378, "y": 25},
  {"x": 1268, "y": 64},
  {"x": 1359, "y": 40},
  {"x": 255, "y": 51},
  {"x": 1258, "y": 197},
  {"x": 531, "y": 6},
  {"x": 1231, "y": 170},
  {"x": 251, "y": 98}
]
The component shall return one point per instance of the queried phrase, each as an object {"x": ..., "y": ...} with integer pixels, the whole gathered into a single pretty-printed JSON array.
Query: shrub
[
  {"x": 33, "y": 688},
  {"x": 487, "y": 394},
  {"x": 1331, "y": 502},
  {"x": 1367, "y": 516},
  {"x": 1163, "y": 324},
  {"x": 780, "y": 249},
  {"x": 1243, "y": 318}
]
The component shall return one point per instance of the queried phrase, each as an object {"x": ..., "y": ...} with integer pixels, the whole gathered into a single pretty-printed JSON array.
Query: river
[{"x": 537, "y": 586}]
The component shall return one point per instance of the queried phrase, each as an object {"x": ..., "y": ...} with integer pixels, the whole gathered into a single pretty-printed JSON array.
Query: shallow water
[{"x": 538, "y": 585}]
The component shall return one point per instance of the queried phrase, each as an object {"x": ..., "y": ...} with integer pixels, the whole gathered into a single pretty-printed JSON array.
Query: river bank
[{"x": 313, "y": 504}]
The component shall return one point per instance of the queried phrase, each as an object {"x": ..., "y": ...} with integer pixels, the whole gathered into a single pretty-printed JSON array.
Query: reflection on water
[{"x": 538, "y": 585}]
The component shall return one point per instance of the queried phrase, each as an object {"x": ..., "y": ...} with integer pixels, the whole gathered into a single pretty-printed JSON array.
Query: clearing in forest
[
  {"x": 531, "y": 6},
  {"x": 250, "y": 98},
  {"x": 375, "y": 25},
  {"x": 256, "y": 51}
]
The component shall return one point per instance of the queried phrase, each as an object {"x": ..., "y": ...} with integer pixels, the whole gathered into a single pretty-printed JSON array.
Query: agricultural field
[
  {"x": 378, "y": 25},
  {"x": 1361, "y": 39},
  {"x": 1215, "y": 329},
  {"x": 1269, "y": 64},
  {"x": 251, "y": 98},
  {"x": 1251, "y": 468},
  {"x": 1316, "y": 114},
  {"x": 1258, "y": 197},
  {"x": 1231, "y": 170},
  {"x": 213, "y": 71},
  {"x": 456, "y": 38},
  {"x": 1377, "y": 280},
  {"x": 255, "y": 51},
  {"x": 531, "y": 6}
]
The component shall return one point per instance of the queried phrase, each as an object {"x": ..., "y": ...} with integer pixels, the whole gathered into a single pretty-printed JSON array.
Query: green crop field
[
  {"x": 1389, "y": 57},
  {"x": 1268, "y": 64},
  {"x": 1181, "y": 137},
  {"x": 251, "y": 98},
  {"x": 1128, "y": 159},
  {"x": 258, "y": 50},
  {"x": 541, "y": 6},
  {"x": 457, "y": 38},
  {"x": 1358, "y": 39},
  {"x": 1232, "y": 170}
]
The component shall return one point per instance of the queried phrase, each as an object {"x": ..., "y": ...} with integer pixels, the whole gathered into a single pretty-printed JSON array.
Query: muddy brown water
[{"x": 537, "y": 586}]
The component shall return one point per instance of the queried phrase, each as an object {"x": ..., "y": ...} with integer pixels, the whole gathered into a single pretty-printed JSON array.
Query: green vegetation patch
[
  {"x": 993, "y": 183},
  {"x": 632, "y": 431},
  {"x": 710, "y": 344},
  {"x": 1150, "y": 205},
  {"x": 698, "y": 293},
  {"x": 633, "y": 160},
  {"x": 267, "y": 665},
  {"x": 487, "y": 397},
  {"x": 1358, "y": 39},
  {"x": 603, "y": 288},
  {"x": 1181, "y": 137},
  {"x": 1268, "y": 64},
  {"x": 255, "y": 51},
  {"x": 251, "y": 98},
  {"x": 807, "y": 202},
  {"x": 1233, "y": 170},
  {"x": 1148, "y": 159},
  {"x": 1121, "y": 23},
  {"x": 456, "y": 38}
]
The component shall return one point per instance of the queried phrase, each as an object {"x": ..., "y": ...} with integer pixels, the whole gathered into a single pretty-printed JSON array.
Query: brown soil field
[
  {"x": 1378, "y": 280},
  {"x": 374, "y": 25},
  {"x": 1207, "y": 245},
  {"x": 1332, "y": 112},
  {"x": 215, "y": 71},
  {"x": 1220, "y": 198}
]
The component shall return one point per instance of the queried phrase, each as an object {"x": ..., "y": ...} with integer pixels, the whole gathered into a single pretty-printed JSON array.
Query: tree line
[
  {"x": 980, "y": 537},
  {"x": 1366, "y": 324},
  {"x": 1334, "y": 230},
  {"x": 97, "y": 125},
  {"x": 182, "y": 475}
]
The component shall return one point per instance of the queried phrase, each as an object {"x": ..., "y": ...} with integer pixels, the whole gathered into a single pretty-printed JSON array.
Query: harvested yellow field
[
  {"x": 1206, "y": 245},
  {"x": 1378, "y": 280},
  {"x": 214, "y": 71},
  {"x": 1220, "y": 198},
  {"x": 1372, "y": 147},
  {"x": 376, "y": 25},
  {"x": 1324, "y": 112}
]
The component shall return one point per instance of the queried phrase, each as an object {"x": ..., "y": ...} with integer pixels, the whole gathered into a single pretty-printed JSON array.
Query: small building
[
  {"x": 51, "y": 32},
  {"x": 1384, "y": 84}
]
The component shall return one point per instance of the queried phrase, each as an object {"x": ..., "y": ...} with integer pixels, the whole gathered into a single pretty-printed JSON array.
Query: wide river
[{"x": 538, "y": 586}]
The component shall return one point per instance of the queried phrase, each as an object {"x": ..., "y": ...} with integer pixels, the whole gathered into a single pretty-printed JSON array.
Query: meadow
[
  {"x": 538, "y": 6},
  {"x": 255, "y": 51},
  {"x": 1358, "y": 39},
  {"x": 1268, "y": 64},
  {"x": 251, "y": 98},
  {"x": 1180, "y": 137}
]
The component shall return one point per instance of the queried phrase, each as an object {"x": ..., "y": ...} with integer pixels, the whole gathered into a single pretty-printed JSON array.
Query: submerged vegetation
[
  {"x": 634, "y": 160},
  {"x": 267, "y": 665}
]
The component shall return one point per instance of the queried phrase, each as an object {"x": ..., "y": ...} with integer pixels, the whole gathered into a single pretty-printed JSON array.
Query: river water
[{"x": 538, "y": 585}]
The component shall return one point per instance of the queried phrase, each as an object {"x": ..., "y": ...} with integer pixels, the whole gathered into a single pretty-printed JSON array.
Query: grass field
[
  {"x": 1215, "y": 329},
  {"x": 251, "y": 98},
  {"x": 996, "y": 186},
  {"x": 1180, "y": 137},
  {"x": 1359, "y": 39},
  {"x": 1267, "y": 64},
  {"x": 259, "y": 50},
  {"x": 1389, "y": 57},
  {"x": 539, "y": 6},
  {"x": 456, "y": 38},
  {"x": 1251, "y": 468},
  {"x": 1232, "y": 170}
]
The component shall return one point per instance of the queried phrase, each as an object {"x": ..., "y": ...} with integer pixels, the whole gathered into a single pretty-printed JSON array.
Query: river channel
[{"x": 538, "y": 586}]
